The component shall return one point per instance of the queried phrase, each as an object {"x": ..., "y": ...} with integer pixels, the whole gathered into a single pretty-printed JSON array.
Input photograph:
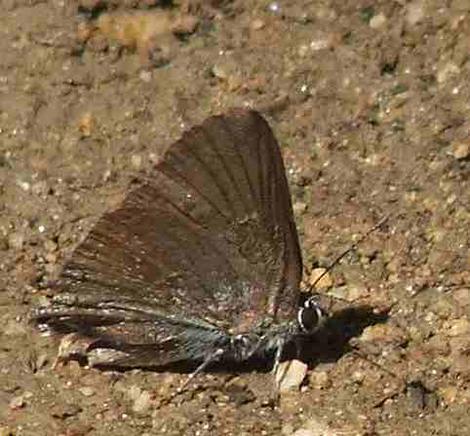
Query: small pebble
[
  {"x": 50, "y": 246},
  {"x": 143, "y": 403},
  {"x": 461, "y": 366},
  {"x": 257, "y": 24},
  {"x": 16, "y": 241},
  {"x": 437, "y": 345},
  {"x": 287, "y": 429},
  {"x": 17, "y": 403},
  {"x": 348, "y": 293},
  {"x": 383, "y": 333},
  {"x": 86, "y": 124},
  {"x": 320, "y": 43},
  {"x": 462, "y": 296},
  {"x": 448, "y": 394},
  {"x": 64, "y": 411},
  {"x": 40, "y": 188},
  {"x": 25, "y": 186},
  {"x": 141, "y": 398},
  {"x": 358, "y": 376},
  {"x": 145, "y": 76},
  {"x": 415, "y": 12},
  {"x": 290, "y": 375},
  {"x": 320, "y": 379},
  {"x": 87, "y": 391},
  {"x": 84, "y": 31},
  {"x": 325, "y": 282},
  {"x": 446, "y": 71},
  {"x": 378, "y": 21},
  {"x": 315, "y": 427},
  {"x": 356, "y": 292},
  {"x": 136, "y": 161},
  {"x": 222, "y": 71},
  {"x": 457, "y": 327},
  {"x": 299, "y": 207},
  {"x": 13, "y": 327},
  {"x": 304, "y": 432},
  {"x": 461, "y": 150},
  {"x": 239, "y": 393},
  {"x": 41, "y": 361}
]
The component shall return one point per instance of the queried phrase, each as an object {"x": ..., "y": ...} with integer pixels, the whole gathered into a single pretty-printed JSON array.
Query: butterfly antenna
[
  {"x": 352, "y": 247},
  {"x": 358, "y": 352}
]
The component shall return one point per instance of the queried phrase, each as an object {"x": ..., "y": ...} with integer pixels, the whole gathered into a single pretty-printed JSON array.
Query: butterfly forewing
[{"x": 207, "y": 237}]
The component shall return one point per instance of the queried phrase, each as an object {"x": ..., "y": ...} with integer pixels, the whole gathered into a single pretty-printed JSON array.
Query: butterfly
[{"x": 199, "y": 262}]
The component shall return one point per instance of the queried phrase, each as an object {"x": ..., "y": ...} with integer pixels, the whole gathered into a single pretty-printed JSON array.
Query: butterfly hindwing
[{"x": 207, "y": 236}]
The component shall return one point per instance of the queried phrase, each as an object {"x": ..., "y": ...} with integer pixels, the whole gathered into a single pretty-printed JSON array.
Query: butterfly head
[
  {"x": 311, "y": 316},
  {"x": 269, "y": 336}
]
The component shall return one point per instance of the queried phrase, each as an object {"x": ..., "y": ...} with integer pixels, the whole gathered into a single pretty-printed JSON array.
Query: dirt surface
[{"x": 370, "y": 103}]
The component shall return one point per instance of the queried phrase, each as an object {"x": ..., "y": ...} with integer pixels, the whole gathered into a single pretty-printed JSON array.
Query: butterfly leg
[
  {"x": 209, "y": 359},
  {"x": 278, "y": 377}
]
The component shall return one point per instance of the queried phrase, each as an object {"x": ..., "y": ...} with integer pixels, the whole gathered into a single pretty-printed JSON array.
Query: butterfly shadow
[{"x": 332, "y": 341}]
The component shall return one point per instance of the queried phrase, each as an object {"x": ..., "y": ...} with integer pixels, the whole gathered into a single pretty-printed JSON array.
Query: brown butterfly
[{"x": 200, "y": 262}]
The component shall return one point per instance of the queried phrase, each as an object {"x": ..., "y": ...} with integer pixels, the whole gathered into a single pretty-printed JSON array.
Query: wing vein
[
  {"x": 165, "y": 166},
  {"x": 207, "y": 169},
  {"x": 227, "y": 167}
]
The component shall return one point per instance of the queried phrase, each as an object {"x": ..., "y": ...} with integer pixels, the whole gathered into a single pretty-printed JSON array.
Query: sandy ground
[{"x": 370, "y": 103}]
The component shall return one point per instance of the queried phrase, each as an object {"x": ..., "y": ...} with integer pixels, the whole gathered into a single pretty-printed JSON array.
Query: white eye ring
[{"x": 310, "y": 304}]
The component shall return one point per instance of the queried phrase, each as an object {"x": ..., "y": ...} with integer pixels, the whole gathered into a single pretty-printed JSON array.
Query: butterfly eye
[{"x": 311, "y": 316}]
